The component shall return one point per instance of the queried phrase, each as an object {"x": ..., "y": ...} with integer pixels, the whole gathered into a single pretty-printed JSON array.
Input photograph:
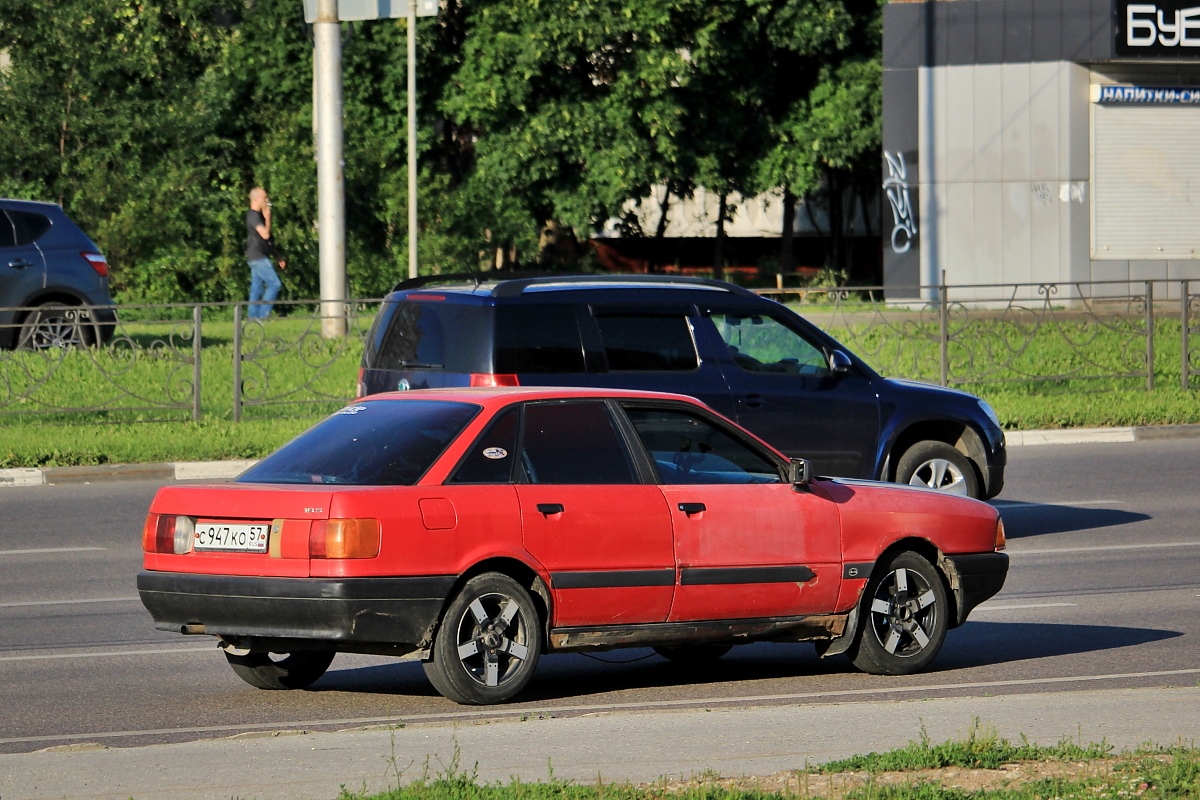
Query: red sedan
[{"x": 482, "y": 528}]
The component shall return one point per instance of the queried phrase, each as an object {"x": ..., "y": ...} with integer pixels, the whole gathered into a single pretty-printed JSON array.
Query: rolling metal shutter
[{"x": 1145, "y": 182}]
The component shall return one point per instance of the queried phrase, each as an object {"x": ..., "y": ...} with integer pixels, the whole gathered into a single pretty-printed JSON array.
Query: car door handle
[
  {"x": 550, "y": 508},
  {"x": 20, "y": 263},
  {"x": 752, "y": 400},
  {"x": 691, "y": 508}
]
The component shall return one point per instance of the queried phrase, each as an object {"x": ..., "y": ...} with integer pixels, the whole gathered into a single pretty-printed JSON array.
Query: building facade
[{"x": 1040, "y": 141}]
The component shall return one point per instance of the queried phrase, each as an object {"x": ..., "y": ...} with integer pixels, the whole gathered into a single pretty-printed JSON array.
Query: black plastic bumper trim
[
  {"x": 377, "y": 610},
  {"x": 981, "y": 576}
]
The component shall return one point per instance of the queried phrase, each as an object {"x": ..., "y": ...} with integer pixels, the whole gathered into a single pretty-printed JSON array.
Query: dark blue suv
[
  {"x": 748, "y": 357},
  {"x": 53, "y": 280}
]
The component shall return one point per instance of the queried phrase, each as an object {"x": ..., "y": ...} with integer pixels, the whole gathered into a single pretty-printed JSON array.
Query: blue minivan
[{"x": 748, "y": 357}]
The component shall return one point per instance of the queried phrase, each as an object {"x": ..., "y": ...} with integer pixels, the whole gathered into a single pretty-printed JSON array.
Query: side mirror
[
  {"x": 839, "y": 363},
  {"x": 799, "y": 472}
]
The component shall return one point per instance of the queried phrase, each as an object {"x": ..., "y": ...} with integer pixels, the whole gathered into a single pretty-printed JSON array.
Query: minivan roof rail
[{"x": 509, "y": 284}]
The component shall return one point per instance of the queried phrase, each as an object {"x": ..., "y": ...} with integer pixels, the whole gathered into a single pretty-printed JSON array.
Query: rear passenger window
[
  {"x": 573, "y": 443},
  {"x": 29, "y": 226},
  {"x": 491, "y": 457},
  {"x": 538, "y": 339},
  {"x": 647, "y": 343}
]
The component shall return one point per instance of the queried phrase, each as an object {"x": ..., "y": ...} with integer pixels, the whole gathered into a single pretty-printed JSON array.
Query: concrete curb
[{"x": 224, "y": 470}]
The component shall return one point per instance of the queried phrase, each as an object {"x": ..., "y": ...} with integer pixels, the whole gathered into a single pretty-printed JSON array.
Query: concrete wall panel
[
  {"x": 1016, "y": 234},
  {"x": 1045, "y": 123},
  {"x": 987, "y": 237},
  {"x": 986, "y": 87},
  {"x": 1015, "y": 122}
]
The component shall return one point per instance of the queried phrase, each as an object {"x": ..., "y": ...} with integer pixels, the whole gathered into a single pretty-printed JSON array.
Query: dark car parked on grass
[
  {"x": 53, "y": 280},
  {"x": 748, "y": 357}
]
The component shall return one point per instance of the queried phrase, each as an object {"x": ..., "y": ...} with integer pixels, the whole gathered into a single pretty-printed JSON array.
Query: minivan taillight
[
  {"x": 98, "y": 262},
  {"x": 493, "y": 379}
]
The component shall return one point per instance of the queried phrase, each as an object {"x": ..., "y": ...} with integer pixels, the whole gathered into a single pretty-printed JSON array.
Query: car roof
[
  {"x": 500, "y": 395},
  {"x": 38, "y": 206},
  {"x": 516, "y": 284}
]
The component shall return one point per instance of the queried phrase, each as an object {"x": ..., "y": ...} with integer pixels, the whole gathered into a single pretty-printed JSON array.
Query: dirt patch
[{"x": 1010, "y": 776}]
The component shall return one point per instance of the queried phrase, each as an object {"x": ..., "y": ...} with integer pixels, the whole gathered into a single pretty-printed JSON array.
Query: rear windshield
[
  {"x": 429, "y": 333},
  {"x": 376, "y": 443}
]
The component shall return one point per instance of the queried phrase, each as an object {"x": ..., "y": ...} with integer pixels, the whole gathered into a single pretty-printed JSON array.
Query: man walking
[{"x": 264, "y": 283}]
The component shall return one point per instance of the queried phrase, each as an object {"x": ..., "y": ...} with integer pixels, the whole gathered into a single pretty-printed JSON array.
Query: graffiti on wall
[{"x": 904, "y": 218}]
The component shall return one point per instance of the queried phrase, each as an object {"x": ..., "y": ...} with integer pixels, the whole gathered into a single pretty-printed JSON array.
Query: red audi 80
[{"x": 483, "y": 528}]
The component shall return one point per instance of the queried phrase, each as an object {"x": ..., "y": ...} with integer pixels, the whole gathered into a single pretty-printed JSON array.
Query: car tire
[
  {"x": 937, "y": 465},
  {"x": 55, "y": 325},
  {"x": 296, "y": 670},
  {"x": 488, "y": 644},
  {"x": 904, "y": 618},
  {"x": 694, "y": 653}
]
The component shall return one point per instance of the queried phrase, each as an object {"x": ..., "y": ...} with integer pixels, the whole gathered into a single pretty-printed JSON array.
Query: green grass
[
  {"x": 292, "y": 376},
  {"x": 968, "y": 769}
]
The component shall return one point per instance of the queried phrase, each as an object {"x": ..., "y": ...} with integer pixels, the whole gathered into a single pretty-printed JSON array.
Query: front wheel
[
  {"x": 937, "y": 465},
  {"x": 281, "y": 670},
  {"x": 904, "y": 620},
  {"x": 488, "y": 644}
]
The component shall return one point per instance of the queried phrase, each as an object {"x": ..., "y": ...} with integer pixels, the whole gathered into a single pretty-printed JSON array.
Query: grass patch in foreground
[
  {"x": 981, "y": 767},
  {"x": 33, "y": 445}
]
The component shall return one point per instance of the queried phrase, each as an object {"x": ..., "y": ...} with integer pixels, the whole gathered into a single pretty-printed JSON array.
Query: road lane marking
[
  {"x": 518, "y": 713},
  {"x": 68, "y": 602},
  {"x": 1095, "y": 548},
  {"x": 986, "y": 607},
  {"x": 42, "y": 550},
  {"x": 109, "y": 653}
]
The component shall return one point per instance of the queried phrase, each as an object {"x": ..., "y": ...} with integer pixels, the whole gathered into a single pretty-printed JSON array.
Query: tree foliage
[{"x": 149, "y": 120}]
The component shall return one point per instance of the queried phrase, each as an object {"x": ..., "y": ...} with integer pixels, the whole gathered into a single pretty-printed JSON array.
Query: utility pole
[
  {"x": 412, "y": 139},
  {"x": 331, "y": 181}
]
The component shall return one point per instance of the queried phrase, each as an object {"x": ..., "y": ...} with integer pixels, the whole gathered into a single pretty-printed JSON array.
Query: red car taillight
[
  {"x": 98, "y": 262},
  {"x": 344, "y": 538},
  {"x": 168, "y": 533},
  {"x": 493, "y": 379}
]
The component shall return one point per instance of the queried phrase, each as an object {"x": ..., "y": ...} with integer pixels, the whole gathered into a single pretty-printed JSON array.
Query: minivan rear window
[{"x": 432, "y": 335}]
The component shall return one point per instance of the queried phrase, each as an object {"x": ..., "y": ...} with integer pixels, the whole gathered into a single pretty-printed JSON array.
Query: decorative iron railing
[{"x": 191, "y": 361}]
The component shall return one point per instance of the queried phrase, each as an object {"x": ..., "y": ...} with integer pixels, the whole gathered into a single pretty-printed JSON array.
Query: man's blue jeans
[{"x": 264, "y": 285}]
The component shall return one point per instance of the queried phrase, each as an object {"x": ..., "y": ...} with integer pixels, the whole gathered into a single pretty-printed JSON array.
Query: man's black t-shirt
[{"x": 256, "y": 246}]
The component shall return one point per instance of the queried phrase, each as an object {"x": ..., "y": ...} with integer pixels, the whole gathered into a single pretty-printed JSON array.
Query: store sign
[
  {"x": 1125, "y": 94},
  {"x": 1169, "y": 28}
]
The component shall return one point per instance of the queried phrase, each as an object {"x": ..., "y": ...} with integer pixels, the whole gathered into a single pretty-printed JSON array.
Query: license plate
[{"x": 238, "y": 538}]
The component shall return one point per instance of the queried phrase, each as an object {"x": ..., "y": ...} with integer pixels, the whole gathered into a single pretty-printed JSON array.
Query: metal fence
[
  {"x": 193, "y": 361},
  {"x": 189, "y": 361}
]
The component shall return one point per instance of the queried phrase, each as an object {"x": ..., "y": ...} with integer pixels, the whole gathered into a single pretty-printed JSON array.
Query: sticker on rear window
[
  {"x": 495, "y": 452},
  {"x": 352, "y": 410}
]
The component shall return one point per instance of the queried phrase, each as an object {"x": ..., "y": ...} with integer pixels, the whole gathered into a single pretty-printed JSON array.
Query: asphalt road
[{"x": 1103, "y": 594}]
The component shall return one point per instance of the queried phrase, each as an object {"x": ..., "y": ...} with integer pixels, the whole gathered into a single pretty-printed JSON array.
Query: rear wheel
[
  {"x": 281, "y": 670},
  {"x": 694, "y": 653},
  {"x": 488, "y": 645},
  {"x": 905, "y": 618},
  {"x": 939, "y": 466},
  {"x": 54, "y": 325}
]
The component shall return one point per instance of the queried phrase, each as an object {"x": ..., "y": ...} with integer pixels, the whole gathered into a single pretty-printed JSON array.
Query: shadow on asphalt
[
  {"x": 986, "y": 643},
  {"x": 1035, "y": 519},
  {"x": 569, "y": 677}
]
